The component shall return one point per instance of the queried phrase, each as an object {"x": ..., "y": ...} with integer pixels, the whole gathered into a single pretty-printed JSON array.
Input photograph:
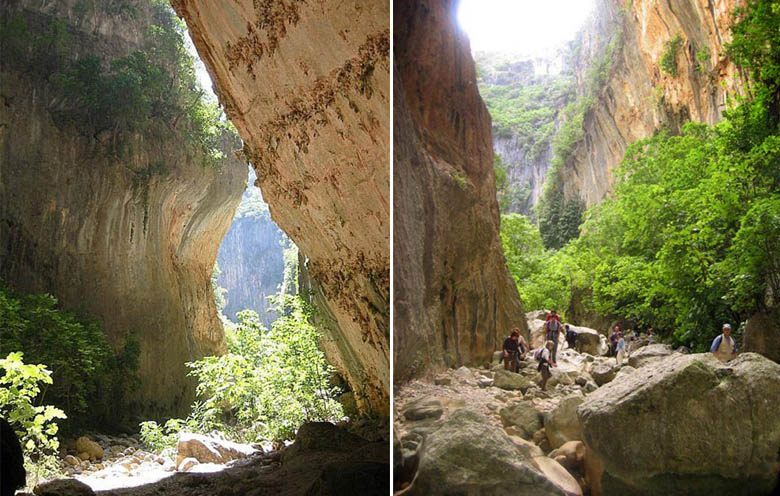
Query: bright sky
[{"x": 522, "y": 26}]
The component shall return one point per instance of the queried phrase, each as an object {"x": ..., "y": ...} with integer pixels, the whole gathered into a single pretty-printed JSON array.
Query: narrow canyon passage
[{"x": 603, "y": 178}]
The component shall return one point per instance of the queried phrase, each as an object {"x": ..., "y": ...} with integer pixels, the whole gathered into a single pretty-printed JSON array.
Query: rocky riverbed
[{"x": 663, "y": 422}]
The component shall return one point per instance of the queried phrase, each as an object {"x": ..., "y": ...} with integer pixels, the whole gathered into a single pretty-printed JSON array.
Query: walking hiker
[
  {"x": 511, "y": 349},
  {"x": 613, "y": 340},
  {"x": 571, "y": 336},
  {"x": 724, "y": 348},
  {"x": 553, "y": 327},
  {"x": 542, "y": 356},
  {"x": 620, "y": 349}
]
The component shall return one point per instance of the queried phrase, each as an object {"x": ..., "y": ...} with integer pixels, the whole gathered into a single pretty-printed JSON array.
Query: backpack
[
  {"x": 553, "y": 325},
  {"x": 538, "y": 354}
]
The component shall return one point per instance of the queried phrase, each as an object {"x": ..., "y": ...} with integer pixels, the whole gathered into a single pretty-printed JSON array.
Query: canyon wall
[
  {"x": 453, "y": 297},
  {"x": 121, "y": 227},
  {"x": 639, "y": 98},
  {"x": 307, "y": 85},
  {"x": 251, "y": 258}
]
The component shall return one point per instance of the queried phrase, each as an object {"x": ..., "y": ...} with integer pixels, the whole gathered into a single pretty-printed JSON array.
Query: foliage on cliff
[
  {"x": 90, "y": 379},
  {"x": 559, "y": 216},
  {"x": 523, "y": 106},
  {"x": 689, "y": 238},
  {"x": 153, "y": 91}
]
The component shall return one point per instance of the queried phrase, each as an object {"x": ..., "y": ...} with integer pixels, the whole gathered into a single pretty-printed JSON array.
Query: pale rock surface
[
  {"x": 209, "y": 450},
  {"x": 690, "y": 425},
  {"x": 316, "y": 127}
]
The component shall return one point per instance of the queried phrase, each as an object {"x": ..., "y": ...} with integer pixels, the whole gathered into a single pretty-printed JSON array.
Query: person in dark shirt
[
  {"x": 571, "y": 336},
  {"x": 512, "y": 350}
]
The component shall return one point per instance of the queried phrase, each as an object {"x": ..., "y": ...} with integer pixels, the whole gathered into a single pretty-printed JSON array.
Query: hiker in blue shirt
[{"x": 724, "y": 348}]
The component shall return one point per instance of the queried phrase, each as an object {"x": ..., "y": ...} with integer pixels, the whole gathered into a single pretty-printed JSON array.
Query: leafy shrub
[
  {"x": 90, "y": 380},
  {"x": 703, "y": 58},
  {"x": 271, "y": 381},
  {"x": 668, "y": 60},
  {"x": 35, "y": 424}
]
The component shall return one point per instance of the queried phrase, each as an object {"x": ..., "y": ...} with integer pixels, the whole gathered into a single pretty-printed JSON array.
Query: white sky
[{"x": 532, "y": 27}]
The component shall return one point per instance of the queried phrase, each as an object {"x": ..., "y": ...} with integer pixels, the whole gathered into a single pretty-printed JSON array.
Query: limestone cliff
[
  {"x": 454, "y": 299},
  {"x": 307, "y": 85},
  {"x": 123, "y": 227},
  {"x": 639, "y": 97},
  {"x": 251, "y": 258}
]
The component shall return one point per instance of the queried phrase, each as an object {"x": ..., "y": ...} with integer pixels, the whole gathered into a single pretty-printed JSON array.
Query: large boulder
[
  {"x": 63, "y": 487},
  {"x": 648, "y": 354},
  {"x": 12, "y": 472},
  {"x": 538, "y": 335},
  {"x": 206, "y": 449},
  {"x": 688, "y": 424},
  {"x": 561, "y": 423},
  {"x": 90, "y": 447},
  {"x": 511, "y": 381},
  {"x": 423, "y": 408},
  {"x": 588, "y": 340},
  {"x": 522, "y": 415},
  {"x": 603, "y": 370},
  {"x": 762, "y": 335},
  {"x": 470, "y": 455}
]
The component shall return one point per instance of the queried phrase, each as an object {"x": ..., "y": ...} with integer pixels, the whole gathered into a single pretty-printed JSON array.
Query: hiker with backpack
[
  {"x": 543, "y": 357},
  {"x": 511, "y": 350},
  {"x": 724, "y": 348},
  {"x": 553, "y": 328},
  {"x": 613, "y": 338},
  {"x": 571, "y": 336},
  {"x": 620, "y": 349}
]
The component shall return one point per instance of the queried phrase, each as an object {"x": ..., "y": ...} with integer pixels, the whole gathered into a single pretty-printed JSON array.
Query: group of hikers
[{"x": 515, "y": 347}]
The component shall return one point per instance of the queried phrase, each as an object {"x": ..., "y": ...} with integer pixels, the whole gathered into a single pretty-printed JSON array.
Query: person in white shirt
[{"x": 724, "y": 348}]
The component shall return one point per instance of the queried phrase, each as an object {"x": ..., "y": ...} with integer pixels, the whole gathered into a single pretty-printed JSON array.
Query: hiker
[
  {"x": 613, "y": 340},
  {"x": 543, "y": 356},
  {"x": 553, "y": 327},
  {"x": 724, "y": 348},
  {"x": 620, "y": 349},
  {"x": 571, "y": 336},
  {"x": 522, "y": 349},
  {"x": 511, "y": 349}
]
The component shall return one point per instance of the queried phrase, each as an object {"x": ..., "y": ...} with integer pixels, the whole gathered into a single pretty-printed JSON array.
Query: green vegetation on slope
[
  {"x": 153, "y": 91},
  {"x": 90, "y": 379},
  {"x": 524, "y": 106},
  {"x": 559, "y": 217},
  {"x": 689, "y": 239}
]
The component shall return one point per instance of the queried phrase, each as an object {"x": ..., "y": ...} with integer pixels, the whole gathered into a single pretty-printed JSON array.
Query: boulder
[
  {"x": 572, "y": 454},
  {"x": 522, "y": 415},
  {"x": 536, "y": 315},
  {"x": 12, "y": 472},
  {"x": 688, "y": 424},
  {"x": 186, "y": 464},
  {"x": 90, "y": 447},
  {"x": 63, "y": 487},
  {"x": 505, "y": 379},
  {"x": 468, "y": 454},
  {"x": 561, "y": 423},
  {"x": 603, "y": 371},
  {"x": 442, "y": 380},
  {"x": 762, "y": 335},
  {"x": 423, "y": 408},
  {"x": 648, "y": 354},
  {"x": 463, "y": 374},
  {"x": 588, "y": 340},
  {"x": 539, "y": 336},
  {"x": 209, "y": 450}
]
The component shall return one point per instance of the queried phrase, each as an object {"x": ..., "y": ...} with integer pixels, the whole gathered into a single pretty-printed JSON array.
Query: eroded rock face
[
  {"x": 639, "y": 97},
  {"x": 123, "y": 228},
  {"x": 688, "y": 424},
  {"x": 315, "y": 123},
  {"x": 762, "y": 334},
  {"x": 454, "y": 298}
]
